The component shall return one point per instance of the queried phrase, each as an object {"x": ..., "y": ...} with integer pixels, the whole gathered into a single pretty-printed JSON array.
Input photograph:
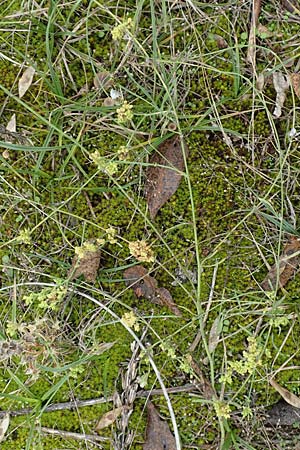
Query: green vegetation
[{"x": 112, "y": 81}]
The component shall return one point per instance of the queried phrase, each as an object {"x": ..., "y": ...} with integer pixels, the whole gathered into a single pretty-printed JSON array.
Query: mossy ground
[{"x": 173, "y": 70}]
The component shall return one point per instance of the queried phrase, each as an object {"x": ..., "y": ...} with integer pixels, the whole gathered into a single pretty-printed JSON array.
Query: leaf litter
[
  {"x": 158, "y": 433},
  {"x": 162, "y": 182},
  {"x": 4, "y": 424},
  {"x": 281, "y": 85},
  {"x": 286, "y": 267},
  {"x": 144, "y": 285},
  {"x": 288, "y": 396},
  {"x": 25, "y": 81},
  {"x": 86, "y": 262}
]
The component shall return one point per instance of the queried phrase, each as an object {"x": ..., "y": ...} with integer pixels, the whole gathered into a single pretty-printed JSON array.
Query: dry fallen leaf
[
  {"x": 281, "y": 84},
  {"x": 260, "y": 82},
  {"x": 11, "y": 126},
  {"x": 214, "y": 334},
  {"x": 146, "y": 286},
  {"x": 25, "y": 81},
  {"x": 158, "y": 434},
  {"x": 4, "y": 423},
  {"x": 295, "y": 79},
  {"x": 162, "y": 182},
  {"x": 109, "y": 418},
  {"x": 290, "y": 398},
  {"x": 286, "y": 267},
  {"x": 87, "y": 265}
]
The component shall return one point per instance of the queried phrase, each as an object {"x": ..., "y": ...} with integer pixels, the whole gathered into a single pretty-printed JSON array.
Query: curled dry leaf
[
  {"x": 4, "y": 423},
  {"x": 162, "y": 182},
  {"x": 295, "y": 80},
  {"x": 282, "y": 272},
  {"x": 86, "y": 265},
  {"x": 288, "y": 396},
  {"x": 158, "y": 433},
  {"x": 281, "y": 84},
  {"x": 109, "y": 418},
  {"x": 146, "y": 286},
  {"x": 25, "y": 81}
]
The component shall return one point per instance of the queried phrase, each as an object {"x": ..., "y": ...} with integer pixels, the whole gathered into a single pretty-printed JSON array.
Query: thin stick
[
  {"x": 95, "y": 401},
  {"x": 77, "y": 436}
]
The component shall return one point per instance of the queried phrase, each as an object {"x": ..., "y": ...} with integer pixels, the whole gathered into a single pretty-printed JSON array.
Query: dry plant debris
[
  {"x": 4, "y": 423},
  {"x": 288, "y": 396},
  {"x": 158, "y": 433},
  {"x": 256, "y": 7},
  {"x": 146, "y": 286},
  {"x": 286, "y": 267},
  {"x": 162, "y": 182},
  {"x": 86, "y": 262},
  {"x": 25, "y": 81},
  {"x": 295, "y": 80},
  {"x": 281, "y": 84},
  {"x": 109, "y": 418}
]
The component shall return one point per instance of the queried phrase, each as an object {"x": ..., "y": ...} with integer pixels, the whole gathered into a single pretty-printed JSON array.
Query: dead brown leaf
[
  {"x": 158, "y": 433},
  {"x": 146, "y": 286},
  {"x": 286, "y": 267},
  {"x": 288, "y": 396},
  {"x": 25, "y": 81},
  {"x": 295, "y": 79},
  {"x": 86, "y": 265},
  {"x": 109, "y": 418},
  {"x": 162, "y": 182}
]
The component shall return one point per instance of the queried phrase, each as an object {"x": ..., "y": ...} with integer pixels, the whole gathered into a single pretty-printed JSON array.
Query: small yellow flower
[
  {"x": 130, "y": 320},
  {"x": 141, "y": 251},
  {"x": 122, "y": 30},
  {"x": 124, "y": 113}
]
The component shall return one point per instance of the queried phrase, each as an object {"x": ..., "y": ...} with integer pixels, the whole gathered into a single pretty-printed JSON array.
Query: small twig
[
  {"x": 77, "y": 436},
  {"x": 95, "y": 401}
]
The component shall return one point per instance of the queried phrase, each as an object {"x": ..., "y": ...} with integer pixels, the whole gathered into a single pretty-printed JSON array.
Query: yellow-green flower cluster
[
  {"x": 222, "y": 410},
  {"x": 111, "y": 235},
  {"x": 141, "y": 251},
  {"x": 24, "y": 237},
  {"x": 122, "y": 30},
  {"x": 124, "y": 113},
  {"x": 47, "y": 298},
  {"x": 103, "y": 164},
  {"x": 85, "y": 248},
  {"x": 251, "y": 360},
  {"x": 123, "y": 152},
  {"x": 130, "y": 320}
]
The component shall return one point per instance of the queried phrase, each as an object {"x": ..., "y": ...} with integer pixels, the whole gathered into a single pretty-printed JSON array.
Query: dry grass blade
[{"x": 252, "y": 39}]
